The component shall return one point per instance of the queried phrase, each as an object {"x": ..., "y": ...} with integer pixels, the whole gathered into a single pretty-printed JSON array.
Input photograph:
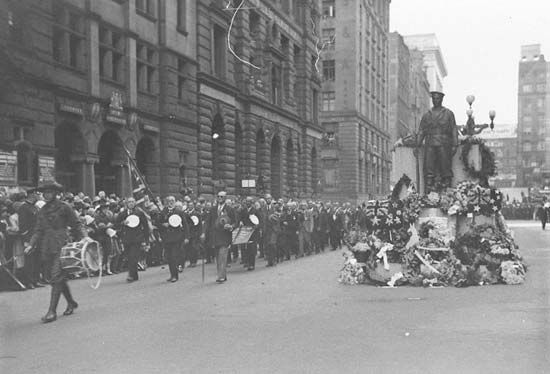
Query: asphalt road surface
[{"x": 293, "y": 318}]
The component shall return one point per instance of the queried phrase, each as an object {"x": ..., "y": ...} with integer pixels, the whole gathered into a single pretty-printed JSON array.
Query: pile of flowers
[{"x": 352, "y": 272}]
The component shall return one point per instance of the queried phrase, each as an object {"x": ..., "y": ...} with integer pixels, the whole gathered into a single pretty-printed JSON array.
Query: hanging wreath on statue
[{"x": 488, "y": 164}]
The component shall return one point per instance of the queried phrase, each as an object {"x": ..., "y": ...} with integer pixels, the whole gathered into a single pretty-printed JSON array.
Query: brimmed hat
[
  {"x": 433, "y": 93},
  {"x": 50, "y": 186}
]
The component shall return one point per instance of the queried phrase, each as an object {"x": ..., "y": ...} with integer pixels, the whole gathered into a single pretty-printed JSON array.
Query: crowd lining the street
[{"x": 286, "y": 229}]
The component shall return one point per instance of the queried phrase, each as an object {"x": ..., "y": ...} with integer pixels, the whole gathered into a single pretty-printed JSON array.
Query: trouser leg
[
  {"x": 251, "y": 251},
  {"x": 221, "y": 262},
  {"x": 133, "y": 257},
  {"x": 172, "y": 258}
]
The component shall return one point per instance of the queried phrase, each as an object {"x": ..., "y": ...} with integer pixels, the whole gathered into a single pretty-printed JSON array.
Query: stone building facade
[
  {"x": 409, "y": 91},
  {"x": 258, "y": 124},
  {"x": 434, "y": 64},
  {"x": 85, "y": 83},
  {"x": 503, "y": 143},
  {"x": 533, "y": 137},
  {"x": 355, "y": 99}
]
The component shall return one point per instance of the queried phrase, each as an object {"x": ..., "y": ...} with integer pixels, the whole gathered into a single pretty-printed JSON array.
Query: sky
[{"x": 481, "y": 42}]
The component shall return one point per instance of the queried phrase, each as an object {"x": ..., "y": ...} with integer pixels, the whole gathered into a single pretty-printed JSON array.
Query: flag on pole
[{"x": 140, "y": 189}]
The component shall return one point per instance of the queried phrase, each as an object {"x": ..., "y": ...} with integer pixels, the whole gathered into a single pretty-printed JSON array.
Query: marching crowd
[{"x": 178, "y": 232}]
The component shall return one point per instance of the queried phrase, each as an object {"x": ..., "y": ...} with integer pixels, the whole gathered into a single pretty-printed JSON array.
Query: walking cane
[{"x": 203, "y": 260}]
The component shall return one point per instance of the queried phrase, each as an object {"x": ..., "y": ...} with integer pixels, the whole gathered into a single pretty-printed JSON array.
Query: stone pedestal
[{"x": 404, "y": 162}]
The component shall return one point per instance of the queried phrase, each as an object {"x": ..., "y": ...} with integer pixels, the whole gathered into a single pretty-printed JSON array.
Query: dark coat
[
  {"x": 51, "y": 232},
  {"x": 172, "y": 234},
  {"x": 139, "y": 234},
  {"x": 27, "y": 220},
  {"x": 213, "y": 229}
]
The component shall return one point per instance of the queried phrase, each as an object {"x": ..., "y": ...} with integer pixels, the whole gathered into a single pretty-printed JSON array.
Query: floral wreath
[{"x": 488, "y": 165}]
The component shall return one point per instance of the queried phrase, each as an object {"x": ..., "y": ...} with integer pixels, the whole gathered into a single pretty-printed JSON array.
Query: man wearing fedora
[
  {"x": 174, "y": 232},
  {"x": 219, "y": 225},
  {"x": 135, "y": 235},
  {"x": 50, "y": 236},
  {"x": 439, "y": 133}
]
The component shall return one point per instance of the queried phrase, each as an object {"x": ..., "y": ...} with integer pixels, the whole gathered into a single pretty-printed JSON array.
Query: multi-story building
[
  {"x": 356, "y": 159},
  {"x": 434, "y": 64},
  {"x": 533, "y": 118},
  {"x": 88, "y": 83},
  {"x": 400, "y": 114},
  {"x": 258, "y": 97},
  {"x": 503, "y": 143},
  {"x": 409, "y": 91},
  {"x": 420, "y": 88}
]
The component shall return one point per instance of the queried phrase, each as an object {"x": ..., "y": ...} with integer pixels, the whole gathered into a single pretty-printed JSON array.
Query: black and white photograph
[{"x": 274, "y": 186}]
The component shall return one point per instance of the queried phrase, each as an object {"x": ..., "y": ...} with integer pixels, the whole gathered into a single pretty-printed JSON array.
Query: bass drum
[{"x": 81, "y": 256}]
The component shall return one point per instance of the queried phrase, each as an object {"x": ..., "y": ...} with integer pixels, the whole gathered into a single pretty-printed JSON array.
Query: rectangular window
[
  {"x": 328, "y": 8},
  {"x": 330, "y": 178},
  {"x": 315, "y": 105},
  {"x": 69, "y": 38},
  {"x": 219, "y": 48},
  {"x": 276, "y": 85},
  {"x": 146, "y": 6},
  {"x": 527, "y": 88},
  {"x": 329, "y": 99},
  {"x": 329, "y": 70},
  {"x": 181, "y": 78},
  {"x": 182, "y": 14},
  {"x": 328, "y": 38},
  {"x": 146, "y": 63},
  {"x": 112, "y": 50}
]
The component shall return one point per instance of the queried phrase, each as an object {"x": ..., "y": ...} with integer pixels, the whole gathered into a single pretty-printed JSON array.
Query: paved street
[{"x": 294, "y": 318}]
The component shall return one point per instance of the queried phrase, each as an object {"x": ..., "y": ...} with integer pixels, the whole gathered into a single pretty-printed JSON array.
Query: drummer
[
  {"x": 50, "y": 236},
  {"x": 174, "y": 231},
  {"x": 249, "y": 218}
]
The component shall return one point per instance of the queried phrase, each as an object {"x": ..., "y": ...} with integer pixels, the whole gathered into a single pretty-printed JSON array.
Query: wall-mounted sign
[
  {"x": 71, "y": 109},
  {"x": 116, "y": 110},
  {"x": 46, "y": 164},
  {"x": 8, "y": 168},
  {"x": 248, "y": 183}
]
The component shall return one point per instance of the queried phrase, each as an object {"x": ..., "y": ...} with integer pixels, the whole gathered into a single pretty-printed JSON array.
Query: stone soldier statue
[{"x": 439, "y": 133}]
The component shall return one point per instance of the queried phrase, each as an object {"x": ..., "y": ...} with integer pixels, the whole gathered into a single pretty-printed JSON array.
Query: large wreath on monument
[{"x": 488, "y": 165}]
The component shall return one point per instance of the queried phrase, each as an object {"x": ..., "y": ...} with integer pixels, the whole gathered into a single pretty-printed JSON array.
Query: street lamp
[{"x": 471, "y": 128}]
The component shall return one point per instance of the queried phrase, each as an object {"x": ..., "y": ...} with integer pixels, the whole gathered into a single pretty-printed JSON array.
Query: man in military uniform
[
  {"x": 50, "y": 236},
  {"x": 174, "y": 235},
  {"x": 438, "y": 130},
  {"x": 135, "y": 235}
]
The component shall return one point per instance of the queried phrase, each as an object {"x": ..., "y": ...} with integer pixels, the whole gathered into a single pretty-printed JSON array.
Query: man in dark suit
[
  {"x": 219, "y": 225},
  {"x": 193, "y": 217},
  {"x": 174, "y": 235},
  {"x": 27, "y": 220},
  {"x": 250, "y": 249},
  {"x": 50, "y": 236},
  {"x": 135, "y": 234}
]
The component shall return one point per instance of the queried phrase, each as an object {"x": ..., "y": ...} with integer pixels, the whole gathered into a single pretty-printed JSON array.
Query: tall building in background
[
  {"x": 436, "y": 70},
  {"x": 354, "y": 99},
  {"x": 409, "y": 91},
  {"x": 503, "y": 143},
  {"x": 533, "y": 140},
  {"x": 400, "y": 88}
]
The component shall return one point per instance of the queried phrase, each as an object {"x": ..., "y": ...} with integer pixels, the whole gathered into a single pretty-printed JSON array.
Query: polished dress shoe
[
  {"x": 221, "y": 280},
  {"x": 250, "y": 268},
  {"x": 49, "y": 317},
  {"x": 130, "y": 280},
  {"x": 70, "y": 308},
  {"x": 174, "y": 280}
]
